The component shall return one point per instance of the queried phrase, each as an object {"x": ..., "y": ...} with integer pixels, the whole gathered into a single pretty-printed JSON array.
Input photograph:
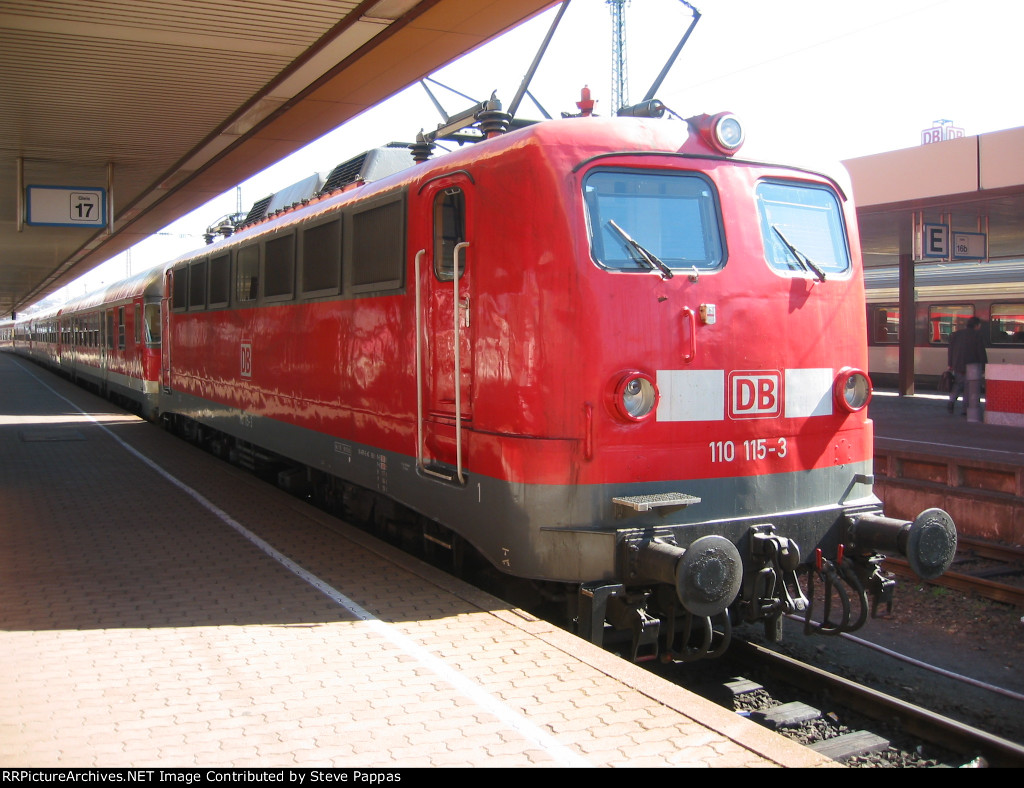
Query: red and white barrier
[{"x": 1004, "y": 394}]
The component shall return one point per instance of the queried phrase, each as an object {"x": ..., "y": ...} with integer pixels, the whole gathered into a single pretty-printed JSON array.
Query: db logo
[
  {"x": 246, "y": 359},
  {"x": 755, "y": 395}
]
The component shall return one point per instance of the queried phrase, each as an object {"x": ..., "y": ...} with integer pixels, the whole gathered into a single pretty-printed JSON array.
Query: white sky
[{"x": 814, "y": 82}]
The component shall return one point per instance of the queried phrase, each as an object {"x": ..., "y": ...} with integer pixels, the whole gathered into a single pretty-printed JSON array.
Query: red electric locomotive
[{"x": 607, "y": 354}]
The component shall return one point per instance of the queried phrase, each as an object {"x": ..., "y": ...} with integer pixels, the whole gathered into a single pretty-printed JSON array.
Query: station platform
[
  {"x": 159, "y": 608},
  {"x": 924, "y": 420}
]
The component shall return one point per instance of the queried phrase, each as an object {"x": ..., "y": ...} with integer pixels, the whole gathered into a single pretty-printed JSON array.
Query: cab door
[{"x": 444, "y": 292}]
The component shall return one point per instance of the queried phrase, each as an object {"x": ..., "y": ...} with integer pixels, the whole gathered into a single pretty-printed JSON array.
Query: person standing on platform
[{"x": 966, "y": 348}]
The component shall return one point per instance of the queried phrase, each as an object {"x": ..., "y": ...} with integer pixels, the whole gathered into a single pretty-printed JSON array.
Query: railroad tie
[
  {"x": 849, "y": 744},
  {"x": 787, "y": 715}
]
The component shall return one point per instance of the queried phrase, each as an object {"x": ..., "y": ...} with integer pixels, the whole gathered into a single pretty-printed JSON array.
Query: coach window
[
  {"x": 279, "y": 268},
  {"x": 152, "y": 325},
  {"x": 802, "y": 229},
  {"x": 638, "y": 214},
  {"x": 375, "y": 245},
  {"x": 197, "y": 285},
  {"x": 138, "y": 324},
  {"x": 449, "y": 230},
  {"x": 1006, "y": 324},
  {"x": 885, "y": 321},
  {"x": 220, "y": 280},
  {"x": 321, "y": 259},
  {"x": 944, "y": 319},
  {"x": 120, "y": 328},
  {"x": 247, "y": 274},
  {"x": 110, "y": 329}
]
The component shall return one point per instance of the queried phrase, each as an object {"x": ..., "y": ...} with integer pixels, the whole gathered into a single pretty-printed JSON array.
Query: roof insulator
[
  {"x": 421, "y": 149},
  {"x": 493, "y": 121}
]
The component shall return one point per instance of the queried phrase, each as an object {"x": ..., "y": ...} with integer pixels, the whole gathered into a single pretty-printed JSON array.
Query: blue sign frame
[
  {"x": 66, "y": 206},
  {"x": 928, "y": 238}
]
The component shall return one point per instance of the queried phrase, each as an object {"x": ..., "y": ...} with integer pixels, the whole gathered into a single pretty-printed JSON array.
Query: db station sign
[{"x": 941, "y": 131}]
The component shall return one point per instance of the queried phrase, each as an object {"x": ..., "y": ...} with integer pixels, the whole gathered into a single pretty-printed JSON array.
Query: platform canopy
[
  {"x": 972, "y": 184},
  {"x": 959, "y": 199},
  {"x": 173, "y": 103}
]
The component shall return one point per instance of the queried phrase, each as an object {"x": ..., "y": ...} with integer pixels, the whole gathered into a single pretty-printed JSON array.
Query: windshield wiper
[
  {"x": 644, "y": 255},
  {"x": 805, "y": 262}
]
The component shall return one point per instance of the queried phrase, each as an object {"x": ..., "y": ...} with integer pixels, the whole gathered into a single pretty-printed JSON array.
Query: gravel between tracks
[{"x": 968, "y": 636}]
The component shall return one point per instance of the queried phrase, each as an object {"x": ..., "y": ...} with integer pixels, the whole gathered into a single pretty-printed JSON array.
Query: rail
[
  {"x": 913, "y": 719},
  {"x": 1009, "y": 558}
]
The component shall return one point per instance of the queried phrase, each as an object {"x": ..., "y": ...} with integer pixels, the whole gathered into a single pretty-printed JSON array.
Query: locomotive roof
[{"x": 571, "y": 141}]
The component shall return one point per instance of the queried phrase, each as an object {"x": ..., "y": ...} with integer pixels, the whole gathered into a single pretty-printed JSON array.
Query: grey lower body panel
[{"x": 567, "y": 533}]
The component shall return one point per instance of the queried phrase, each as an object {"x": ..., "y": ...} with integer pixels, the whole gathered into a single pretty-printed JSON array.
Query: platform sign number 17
[
  {"x": 247, "y": 359},
  {"x": 85, "y": 207}
]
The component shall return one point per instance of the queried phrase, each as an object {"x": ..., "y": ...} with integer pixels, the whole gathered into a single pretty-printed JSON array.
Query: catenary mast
[{"x": 620, "y": 91}]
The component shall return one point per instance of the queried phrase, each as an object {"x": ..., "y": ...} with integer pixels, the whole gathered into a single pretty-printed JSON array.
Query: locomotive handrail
[
  {"x": 419, "y": 363},
  {"x": 458, "y": 363},
  {"x": 420, "y": 464},
  {"x": 689, "y": 317}
]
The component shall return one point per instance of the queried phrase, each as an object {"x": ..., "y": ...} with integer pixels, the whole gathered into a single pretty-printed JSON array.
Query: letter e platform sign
[
  {"x": 935, "y": 241},
  {"x": 66, "y": 206}
]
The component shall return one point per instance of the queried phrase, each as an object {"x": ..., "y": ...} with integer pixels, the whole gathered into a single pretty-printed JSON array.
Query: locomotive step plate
[{"x": 644, "y": 503}]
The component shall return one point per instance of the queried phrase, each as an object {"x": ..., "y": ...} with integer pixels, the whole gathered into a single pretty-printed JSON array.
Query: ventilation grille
[
  {"x": 258, "y": 210},
  {"x": 364, "y": 168},
  {"x": 370, "y": 166}
]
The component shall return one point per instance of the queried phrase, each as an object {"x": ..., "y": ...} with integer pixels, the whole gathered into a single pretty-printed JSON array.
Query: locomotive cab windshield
[
  {"x": 802, "y": 228},
  {"x": 643, "y": 220}
]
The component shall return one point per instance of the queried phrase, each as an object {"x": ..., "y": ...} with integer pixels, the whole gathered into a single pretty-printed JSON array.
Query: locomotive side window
[
  {"x": 944, "y": 319},
  {"x": 449, "y": 230},
  {"x": 885, "y": 321},
  {"x": 279, "y": 268},
  {"x": 802, "y": 228},
  {"x": 672, "y": 216},
  {"x": 220, "y": 279},
  {"x": 197, "y": 285},
  {"x": 321, "y": 259},
  {"x": 1006, "y": 324},
  {"x": 247, "y": 274},
  {"x": 179, "y": 293},
  {"x": 375, "y": 245}
]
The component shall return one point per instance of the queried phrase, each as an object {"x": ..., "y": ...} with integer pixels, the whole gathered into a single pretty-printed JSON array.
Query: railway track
[
  {"x": 849, "y": 722},
  {"x": 975, "y": 570}
]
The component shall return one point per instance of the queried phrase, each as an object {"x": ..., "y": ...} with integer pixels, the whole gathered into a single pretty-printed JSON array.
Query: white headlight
[
  {"x": 636, "y": 396},
  {"x": 728, "y": 132},
  {"x": 853, "y": 389}
]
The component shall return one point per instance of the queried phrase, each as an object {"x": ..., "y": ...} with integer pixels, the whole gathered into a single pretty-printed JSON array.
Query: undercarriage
[{"x": 698, "y": 593}]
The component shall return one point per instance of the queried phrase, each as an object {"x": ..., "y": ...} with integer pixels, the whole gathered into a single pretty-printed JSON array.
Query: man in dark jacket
[{"x": 966, "y": 346}]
